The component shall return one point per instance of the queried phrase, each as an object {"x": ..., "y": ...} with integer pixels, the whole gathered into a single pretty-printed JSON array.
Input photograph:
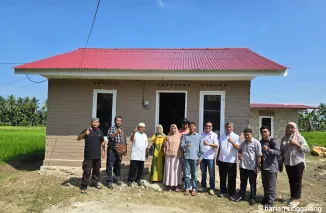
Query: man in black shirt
[{"x": 94, "y": 140}]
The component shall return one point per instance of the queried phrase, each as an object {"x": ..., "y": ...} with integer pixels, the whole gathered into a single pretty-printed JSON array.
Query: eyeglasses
[
  {"x": 264, "y": 131},
  {"x": 208, "y": 126}
]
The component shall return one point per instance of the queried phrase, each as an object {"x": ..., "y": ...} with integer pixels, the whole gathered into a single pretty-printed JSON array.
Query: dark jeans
[
  {"x": 91, "y": 166},
  {"x": 295, "y": 179},
  {"x": 136, "y": 170},
  {"x": 211, "y": 170},
  {"x": 244, "y": 175},
  {"x": 113, "y": 161},
  {"x": 229, "y": 171},
  {"x": 269, "y": 184}
]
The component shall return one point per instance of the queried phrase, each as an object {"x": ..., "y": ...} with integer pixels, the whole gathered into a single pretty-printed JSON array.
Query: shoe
[
  {"x": 264, "y": 201},
  {"x": 252, "y": 202},
  {"x": 129, "y": 183},
  {"x": 232, "y": 198},
  {"x": 211, "y": 192},
  {"x": 222, "y": 195},
  {"x": 267, "y": 206},
  {"x": 98, "y": 185},
  {"x": 139, "y": 183},
  {"x": 187, "y": 193},
  {"x": 202, "y": 190},
  {"x": 193, "y": 193},
  {"x": 118, "y": 182},
  {"x": 240, "y": 198},
  {"x": 110, "y": 186},
  {"x": 84, "y": 190}
]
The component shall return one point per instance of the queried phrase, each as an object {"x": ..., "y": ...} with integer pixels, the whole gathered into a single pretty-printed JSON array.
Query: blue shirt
[{"x": 195, "y": 150}]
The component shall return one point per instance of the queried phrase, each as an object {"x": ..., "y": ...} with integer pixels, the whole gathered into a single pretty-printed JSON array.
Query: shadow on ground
[{"x": 29, "y": 162}]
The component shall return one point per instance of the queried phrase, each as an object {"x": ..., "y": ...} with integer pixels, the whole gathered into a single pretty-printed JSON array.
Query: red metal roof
[
  {"x": 158, "y": 59},
  {"x": 280, "y": 106}
]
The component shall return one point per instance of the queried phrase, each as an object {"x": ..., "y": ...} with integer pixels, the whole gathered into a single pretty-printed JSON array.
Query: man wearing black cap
[
  {"x": 94, "y": 140},
  {"x": 184, "y": 129},
  {"x": 250, "y": 158}
]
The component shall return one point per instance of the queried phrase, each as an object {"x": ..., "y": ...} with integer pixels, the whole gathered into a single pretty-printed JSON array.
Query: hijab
[
  {"x": 296, "y": 136},
  {"x": 160, "y": 135},
  {"x": 173, "y": 142}
]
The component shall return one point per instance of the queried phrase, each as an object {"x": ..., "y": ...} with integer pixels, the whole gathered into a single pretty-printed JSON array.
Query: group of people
[{"x": 176, "y": 157}]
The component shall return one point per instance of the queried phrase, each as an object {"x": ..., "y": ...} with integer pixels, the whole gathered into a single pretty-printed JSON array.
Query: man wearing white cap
[
  {"x": 94, "y": 140},
  {"x": 139, "y": 153}
]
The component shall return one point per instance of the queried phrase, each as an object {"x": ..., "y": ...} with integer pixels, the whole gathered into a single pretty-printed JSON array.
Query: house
[
  {"x": 149, "y": 85},
  {"x": 275, "y": 116}
]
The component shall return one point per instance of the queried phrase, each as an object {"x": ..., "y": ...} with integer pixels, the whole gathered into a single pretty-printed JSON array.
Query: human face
[
  {"x": 173, "y": 129},
  {"x": 265, "y": 133},
  {"x": 95, "y": 124},
  {"x": 248, "y": 136},
  {"x": 192, "y": 128},
  {"x": 185, "y": 125},
  {"x": 229, "y": 129},
  {"x": 208, "y": 127},
  {"x": 141, "y": 129},
  {"x": 290, "y": 129},
  {"x": 118, "y": 122},
  {"x": 159, "y": 130}
]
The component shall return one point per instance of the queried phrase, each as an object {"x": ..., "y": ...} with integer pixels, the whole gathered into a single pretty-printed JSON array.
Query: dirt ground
[{"x": 26, "y": 189}]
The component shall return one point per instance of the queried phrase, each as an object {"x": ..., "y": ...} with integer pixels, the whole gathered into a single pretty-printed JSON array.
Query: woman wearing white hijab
[{"x": 293, "y": 149}]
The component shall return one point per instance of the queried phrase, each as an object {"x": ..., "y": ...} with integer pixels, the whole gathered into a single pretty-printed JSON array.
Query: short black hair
[
  {"x": 116, "y": 117},
  {"x": 209, "y": 122},
  {"x": 192, "y": 123},
  {"x": 247, "y": 130},
  {"x": 264, "y": 127}
]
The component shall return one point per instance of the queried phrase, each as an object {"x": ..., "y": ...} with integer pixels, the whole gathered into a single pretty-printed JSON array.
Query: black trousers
[
  {"x": 113, "y": 160},
  {"x": 136, "y": 170},
  {"x": 244, "y": 175},
  {"x": 91, "y": 166},
  {"x": 227, "y": 171},
  {"x": 295, "y": 179},
  {"x": 269, "y": 184}
]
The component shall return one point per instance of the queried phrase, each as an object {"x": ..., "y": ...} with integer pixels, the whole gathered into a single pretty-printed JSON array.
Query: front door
[{"x": 171, "y": 109}]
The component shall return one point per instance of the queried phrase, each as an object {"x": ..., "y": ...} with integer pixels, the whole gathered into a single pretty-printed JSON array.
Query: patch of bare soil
[{"x": 58, "y": 191}]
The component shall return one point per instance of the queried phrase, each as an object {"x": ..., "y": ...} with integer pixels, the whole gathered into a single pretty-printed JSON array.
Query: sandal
[
  {"x": 294, "y": 203},
  {"x": 177, "y": 189},
  {"x": 83, "y": 191},
  {"x": 98, "y": 185},
  {"x": 193, "y": 193},
  {"x": 187, "y": 193}
]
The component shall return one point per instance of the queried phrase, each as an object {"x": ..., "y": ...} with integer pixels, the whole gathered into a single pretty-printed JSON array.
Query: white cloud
[{"x": 160, "y": 3}]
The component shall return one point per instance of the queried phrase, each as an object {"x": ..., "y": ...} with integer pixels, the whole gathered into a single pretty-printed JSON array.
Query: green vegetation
[
  {"x": 22, "y": 111},
  {"x": 315, "y": 138},
  {"x": 18, "y": 142},
  {"x": 311, "y": 120}
]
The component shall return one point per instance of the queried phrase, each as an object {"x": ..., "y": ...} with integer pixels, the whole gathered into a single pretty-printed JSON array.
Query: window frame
[{"x": 260, "y": 124}]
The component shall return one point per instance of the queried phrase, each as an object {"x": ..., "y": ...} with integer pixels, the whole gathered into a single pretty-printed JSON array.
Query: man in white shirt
[
  {"x": 209, "y": 144},
  {"x": 139, "y": 153},
  {"x": 227, "y": 161}
]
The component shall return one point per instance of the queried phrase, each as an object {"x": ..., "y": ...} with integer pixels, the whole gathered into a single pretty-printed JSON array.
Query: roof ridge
[{"x": 156, "y": 48}]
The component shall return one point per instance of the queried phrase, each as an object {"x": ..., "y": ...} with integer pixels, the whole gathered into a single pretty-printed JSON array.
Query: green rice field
[
  {"x": 315, "y": 138},
  {"x": 19, "y": 142}
]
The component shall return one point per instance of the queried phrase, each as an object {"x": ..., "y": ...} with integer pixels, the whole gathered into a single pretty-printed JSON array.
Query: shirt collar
[{"x": 207, "y": 133}]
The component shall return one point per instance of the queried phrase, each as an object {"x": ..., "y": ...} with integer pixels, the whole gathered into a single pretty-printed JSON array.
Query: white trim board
[
  {"x": 201, "y": 109},
  {"x": 114, "y": 102},
  {"x": 157, "y": 104},
  {"x": 260, "y": 124}
]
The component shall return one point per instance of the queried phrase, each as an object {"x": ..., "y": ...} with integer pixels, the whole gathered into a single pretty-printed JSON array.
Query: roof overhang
[{"x": 227, "y": 75}]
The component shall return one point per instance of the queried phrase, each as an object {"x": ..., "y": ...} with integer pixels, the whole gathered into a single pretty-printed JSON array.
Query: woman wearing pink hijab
[{"x": 293, "y": 149}]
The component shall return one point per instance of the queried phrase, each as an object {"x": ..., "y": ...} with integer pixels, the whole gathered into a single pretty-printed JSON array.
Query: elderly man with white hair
[{"x": 139, "y": 153}]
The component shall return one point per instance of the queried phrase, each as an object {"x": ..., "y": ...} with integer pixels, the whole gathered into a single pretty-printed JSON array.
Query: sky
[{"x": 290, "y": 32}]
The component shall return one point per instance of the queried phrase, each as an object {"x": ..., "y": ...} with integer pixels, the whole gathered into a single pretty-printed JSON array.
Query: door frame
[
  {"x": 114, "y": 102},
  {"x": 201, "y": 109},
  {"x": 260, "y": 124},
  {"x": 157, "y": 105}
]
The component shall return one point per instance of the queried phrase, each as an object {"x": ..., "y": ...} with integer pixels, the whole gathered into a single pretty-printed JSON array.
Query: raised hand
[{"x": 87, "y": 132}]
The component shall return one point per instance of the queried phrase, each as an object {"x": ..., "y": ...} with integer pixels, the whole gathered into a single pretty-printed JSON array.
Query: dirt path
[{"x": 57, "y": 191}]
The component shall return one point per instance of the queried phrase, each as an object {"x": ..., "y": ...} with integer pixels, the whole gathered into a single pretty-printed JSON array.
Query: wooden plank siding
[{"x": 70, "y": 110}]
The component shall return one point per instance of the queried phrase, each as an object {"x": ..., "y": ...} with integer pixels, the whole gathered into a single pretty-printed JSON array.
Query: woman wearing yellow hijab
[{"x": 157, "y": 168}]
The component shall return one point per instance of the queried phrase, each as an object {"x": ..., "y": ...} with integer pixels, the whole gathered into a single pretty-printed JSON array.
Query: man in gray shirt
[
  {"x": 191, "y": 144},
  {"x": 250, "y": 158},
  {"x": 271, "y": 152}
]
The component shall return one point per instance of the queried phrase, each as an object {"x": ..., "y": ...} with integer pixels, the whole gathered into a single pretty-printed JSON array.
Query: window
[
  {"x": 211, "y": 108},
  {"x": 104, "y": 108},
  {"x": 267, "y": 121}
]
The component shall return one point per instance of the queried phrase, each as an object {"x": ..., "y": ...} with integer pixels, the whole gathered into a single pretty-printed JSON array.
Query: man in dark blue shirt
[{"x": 94, "y": 140}]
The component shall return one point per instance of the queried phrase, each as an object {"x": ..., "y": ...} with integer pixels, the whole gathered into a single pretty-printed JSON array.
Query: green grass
[
  {"x": 315, "y": 138},
  {"x": 18, "y": 142}
]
